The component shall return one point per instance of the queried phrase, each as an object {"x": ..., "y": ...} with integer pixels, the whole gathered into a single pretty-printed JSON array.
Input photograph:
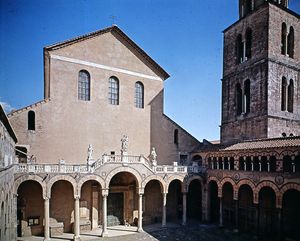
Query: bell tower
[{"x": 261, "y": 73}]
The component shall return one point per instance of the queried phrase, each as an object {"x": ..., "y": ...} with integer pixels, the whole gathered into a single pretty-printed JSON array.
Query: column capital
[
  {"x": 46, "y": 198},
  {"x": 140, "y": 191},
  {"x": 105, "y": 192},
  {"x": 76, "y": 197}
]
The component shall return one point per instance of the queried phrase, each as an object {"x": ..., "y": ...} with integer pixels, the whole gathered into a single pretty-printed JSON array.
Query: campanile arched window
[
  {"x": 239, "y": 99},
  {"x": 239, "y": 49},
  {"x": 31, "y": 120},
  {"x": 290, "y": 40},
  {"x": 248, "y": 43},
  {"x": 113, "y": 90},
  {"x": 84, "y": 85},
  {"x": 139, "y": 95},
  {"x": 283, "y": 39},
  {"x": 283, "y": 94},
  {"x": 247, "y": 96},
  {"x": 290, "y": 107}
]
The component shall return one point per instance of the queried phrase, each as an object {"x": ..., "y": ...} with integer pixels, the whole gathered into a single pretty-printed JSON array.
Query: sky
[{"x": 183, "y": 36}]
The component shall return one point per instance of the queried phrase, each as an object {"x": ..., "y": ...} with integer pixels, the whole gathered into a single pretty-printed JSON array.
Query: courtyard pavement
[{"x": 174, "y": 232}]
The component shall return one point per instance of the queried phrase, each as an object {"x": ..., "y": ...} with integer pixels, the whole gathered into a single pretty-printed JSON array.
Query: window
[
  {"x": 248, "y": 43},
  {"x": 113, "y": 91},
  {"x": 31, "y": 120},
  {"x": 290, "y": 40},
  {"x": 245, "y": 7},
  {"x": 176, "y": 136},
  {"x": 139, "y": 95},
  {"x": 290, "y": 96},
  {"x": 246, "y": 96},
  {"x": 283, "y": 94},
  {"x": 239, "y": 49},
  {"x": 84, "y": 85},
  {"x": 283, "y": 39},
  {"x": 239, "y": 99}
]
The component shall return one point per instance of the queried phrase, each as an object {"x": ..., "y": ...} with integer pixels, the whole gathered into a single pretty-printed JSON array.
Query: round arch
[
  {"x": 161, "y": 181},
  {"x": 189, "y": 180},
  {"x": 91, "y": 177},
  {"x": 234, "y": 187},
  {"x": 285, "y": 188},
  {"x": 62, "y": 178},
  {"x": 245, "y": 182},
  {"x": 130, "y": 170},
  {"x": 25, "y": 178},
  {"x": 175, "y": 177},
  {"x": 270, "y": 185}
]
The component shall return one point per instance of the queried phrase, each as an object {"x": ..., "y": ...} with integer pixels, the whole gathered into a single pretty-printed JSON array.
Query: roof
[
  {"x": 12, "y": 113},
  {"x": 4, "y": 120},
  {"x": 113, "y": 29},
  {"x": 265, "y": 144}
]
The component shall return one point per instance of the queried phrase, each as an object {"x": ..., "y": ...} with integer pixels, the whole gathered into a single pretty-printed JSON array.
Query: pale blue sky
[{"x": 184, "y": 37}]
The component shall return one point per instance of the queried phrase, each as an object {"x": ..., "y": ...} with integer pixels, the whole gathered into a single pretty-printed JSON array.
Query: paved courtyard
[{"x": 194, "y": 232}]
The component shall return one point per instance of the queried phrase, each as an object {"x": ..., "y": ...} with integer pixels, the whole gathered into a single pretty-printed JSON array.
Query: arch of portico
[
  {"x": 67, "y": 178},
  {"x": 158, "y": 178},
  {"x": 36, "y": 178}
]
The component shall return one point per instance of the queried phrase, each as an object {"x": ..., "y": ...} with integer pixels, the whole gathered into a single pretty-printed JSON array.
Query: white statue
[
  {"x": 90, "y": 152},
  {"x": 124, "y": 142},
  {"x": 153, "y": 154}
]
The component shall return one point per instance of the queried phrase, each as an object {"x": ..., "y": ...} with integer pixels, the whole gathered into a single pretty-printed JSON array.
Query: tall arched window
[
  {"x": 291, "y": 97},
  {"x": 283, "y": 94},
  {"x": 84, "y": 85},
  {"x": 31, "y": 120},
  {"x": 239, "y": 49},
  {"x": 248, "y": 43},
  {"x": 245, "y": 7},
  {"x": 290, "y": 49},
  {"x": 113, "y": 91},
  {"x": 247, "y": 96},
  {"x": 239, "y": 99},
  {"x": 139, "y": 95},
  {"x": 176, "y": 136},
  {"x": 283, "y": 39}
]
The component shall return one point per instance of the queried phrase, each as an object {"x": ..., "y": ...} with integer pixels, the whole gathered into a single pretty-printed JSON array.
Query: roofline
[
  {"x": 7, "y": 125},
  {"x": 116, "y": 29},
  {"x": 261, "y": 6},
  {"x": 12, "y": 113}
]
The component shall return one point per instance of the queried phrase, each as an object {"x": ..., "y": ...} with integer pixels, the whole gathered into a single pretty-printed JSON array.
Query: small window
[
  {"x": 31, "y": 120},
  {"x": 283, "y": 39},
  {"x": 290, "y": 49},
  {"x": 176, "y": 136},
  {"x": 139, "y": 95},
  {"x": 248, "y": 43},
  {"x": 283, "y": 94},
  {"x": 247, "y": 96},
  {"x": 239, "y": 49},
  {"x": 84, "y": 85},
  {"x": 113, "y": 91},
  {"x": 290, "y": 107},
  {"x": 239, "y": 99}
]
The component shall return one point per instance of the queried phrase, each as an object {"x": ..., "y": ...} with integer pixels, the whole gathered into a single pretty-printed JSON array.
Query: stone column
[
  {"x": 140, "y": 220},
  {"x": 221, "y": 212},
  {"x": 76, "y": 220},
  {"x": 104, "y": 213},
  {"x": 184, "y": 208},
  {"x": 47, "y": 219},
  {"x": 95, "y": 207},
  {"x": 236, "y": 216},
  {"x": 164, "y": 210}
]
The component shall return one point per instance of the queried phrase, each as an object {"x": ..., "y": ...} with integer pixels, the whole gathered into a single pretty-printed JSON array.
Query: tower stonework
[{"x": 261, "y": 73}]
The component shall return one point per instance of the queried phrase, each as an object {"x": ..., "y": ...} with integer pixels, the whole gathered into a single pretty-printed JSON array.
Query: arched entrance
[
  {"x": 152, "y": 203},
  {"x": 90, "y": 205},
  {"x": 62, "y": 206},
  {"x": 122, "y": 201},
  {"x": 291, "y": 214},
  {"x": 194, "y": 200},
  {"x": 267, "y": 212},
  {"x": 228, "y": 205},
  {"x": 174, "y": 202},
  {"x": 30, "y": 209},
  {"x": 213, "y": 202},
  {"x": 246, "y": 210}
]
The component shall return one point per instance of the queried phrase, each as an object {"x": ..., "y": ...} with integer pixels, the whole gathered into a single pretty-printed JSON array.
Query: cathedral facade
[{"x": 98, "y": 150}]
